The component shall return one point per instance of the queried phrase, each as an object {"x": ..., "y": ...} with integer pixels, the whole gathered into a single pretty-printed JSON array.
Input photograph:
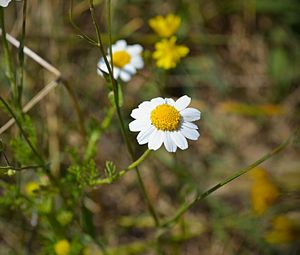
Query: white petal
[
  {"x": 155, "y": 140},
  {"x": 137, "y": 125},
  {"x": 191, "y": 134},
  {"x": 144, "y": 135},
  {"x": 130, "y": 69},
  {"x": 182, "y": 103},
  {"x": 101, "y": 67},
  {"x": 189, "y": 125},
  {"x": 4, "y": 3},
  {"x": 137, "y": 62},
  {"x": 157, "y": 101},
  {"x": 125, "y": 76},
  {"x": 168, "y": 142},
  {"x": 117, "y": 72},
  {"x": 134, "y": 50},
  {"x": 145, "y": 104},
  {"x": 119, "y": 45},
  {"x": 179, "y": 140},
  {"x": 170, "y": 101},
  {"x": 190, "y": 114},
  {"x": 136, "y": 113}
]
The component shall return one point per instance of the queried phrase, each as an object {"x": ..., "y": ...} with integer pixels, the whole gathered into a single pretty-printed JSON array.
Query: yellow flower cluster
[
  {"x": 263, "y": 191},
  {"x": 167, "y": 53},
  {"x": 283, "y": 230}
]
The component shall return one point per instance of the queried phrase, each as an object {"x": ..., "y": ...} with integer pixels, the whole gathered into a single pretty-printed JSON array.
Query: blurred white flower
[
  {"x": 4, "y": 3},
  {"x": 126, "y": 60},
  {"x": 164, "y": 121}
]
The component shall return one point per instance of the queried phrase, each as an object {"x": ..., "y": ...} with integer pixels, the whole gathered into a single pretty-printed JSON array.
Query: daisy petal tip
[{"x": 182, "y": 102}]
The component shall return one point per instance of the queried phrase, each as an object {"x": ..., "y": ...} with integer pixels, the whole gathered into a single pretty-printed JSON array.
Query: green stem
[
  {"x": 35, "y": 152},
  {"x": 119, "y": 114},
  {"x": 124, "y": 171},
  {"x": 186, "y": 206},
  {"x": 82, "y": 34},
  {"x": 20, "y": 168},
  {"x": 7, "y": 57},
  {"x": 21, "y": 56}
]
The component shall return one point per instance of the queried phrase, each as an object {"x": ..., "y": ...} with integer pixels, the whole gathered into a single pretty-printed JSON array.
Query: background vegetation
[{"x": 242, "y": 73}]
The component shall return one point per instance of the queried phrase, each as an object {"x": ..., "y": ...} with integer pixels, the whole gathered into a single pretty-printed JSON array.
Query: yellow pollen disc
[
  {"x": 121, "y": 58},
  {"x": 165, "y": 117}
]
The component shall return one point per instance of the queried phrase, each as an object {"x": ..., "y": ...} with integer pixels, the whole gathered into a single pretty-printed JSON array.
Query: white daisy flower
[
  {"x": 126, "y": 60},
  {"x": 4, "y": 3},
  {"x": 164, "y": 121}
]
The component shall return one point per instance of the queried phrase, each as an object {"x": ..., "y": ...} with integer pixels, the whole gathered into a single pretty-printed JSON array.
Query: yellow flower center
[
  {"x": 121, "y": 58},
  {"x": 165, "y": 117}
]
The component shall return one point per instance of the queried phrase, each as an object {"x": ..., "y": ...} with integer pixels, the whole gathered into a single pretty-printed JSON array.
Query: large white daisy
[
  {"x": 4, "y": 3},
  {"x": 126, "y": 60},
  {"x": 165, "y": 121}
]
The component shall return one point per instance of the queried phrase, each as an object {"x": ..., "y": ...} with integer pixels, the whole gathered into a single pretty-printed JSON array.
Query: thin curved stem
[
  {"x": 119, "y": 113},
  {"x": 186, "y": 206},
  {"x": 20, "y": 168},
  {"x": 21, "y": 56},
  {"x": 35, "y": 152},
  {"x": 81, "y": 33}
]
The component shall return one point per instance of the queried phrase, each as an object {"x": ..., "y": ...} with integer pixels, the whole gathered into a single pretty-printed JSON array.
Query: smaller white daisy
[
  {"x": 126, "y": 60},
  {"x": 4, "y": 3},
  {"x": 165, "y": 121}
]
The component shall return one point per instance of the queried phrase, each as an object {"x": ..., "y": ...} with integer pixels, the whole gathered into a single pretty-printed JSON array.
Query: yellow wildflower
[
  {"x": 62, "y": 247},
  {"x": 31, "y": 188},
  {"x": 263, "y": 191},
  {"x": 283, "y": 230},
  {"x": 165, "y": 26},
  {"x": 168, "y": 54}
]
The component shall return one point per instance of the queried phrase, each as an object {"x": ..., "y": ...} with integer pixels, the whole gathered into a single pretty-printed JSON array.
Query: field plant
[{"x": 102, "y": 106}]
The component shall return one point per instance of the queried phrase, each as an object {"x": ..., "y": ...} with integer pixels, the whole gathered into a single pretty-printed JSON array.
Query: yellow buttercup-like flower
[
  {"x": 165, "y": 26},
  {"x": 263, "y": 191},
  {"x": 62, "y": 247},
  {"x": 283, "y": 230},
  {"x": 167, "y": 53},
  {"x": 31, "y": 188}
]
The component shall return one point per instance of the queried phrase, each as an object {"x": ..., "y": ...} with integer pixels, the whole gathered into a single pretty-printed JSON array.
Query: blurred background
[{"x": 242, "y": 72}]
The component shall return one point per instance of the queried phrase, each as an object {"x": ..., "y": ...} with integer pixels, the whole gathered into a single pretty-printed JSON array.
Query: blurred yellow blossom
[
  {"x": 62, "y": 247},
  {"x": 167, "y": 53},
  {"x": 91, "y": 250},
  {"x": 165, "y": 26},
  {"x": 263, "y": 191},
  {"x": 283, "y": 230},
  {"x": 251, "y": 109},
  {"x": 31, "y": 188}
]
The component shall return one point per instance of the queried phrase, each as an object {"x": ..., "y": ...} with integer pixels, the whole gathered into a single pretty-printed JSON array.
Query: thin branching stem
[
  {"x": 81, "y": 33},
  {"x": 35, "y": 152},
  {"x": 119, "y": 113},
  {"x": 124, "y": 171}
]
